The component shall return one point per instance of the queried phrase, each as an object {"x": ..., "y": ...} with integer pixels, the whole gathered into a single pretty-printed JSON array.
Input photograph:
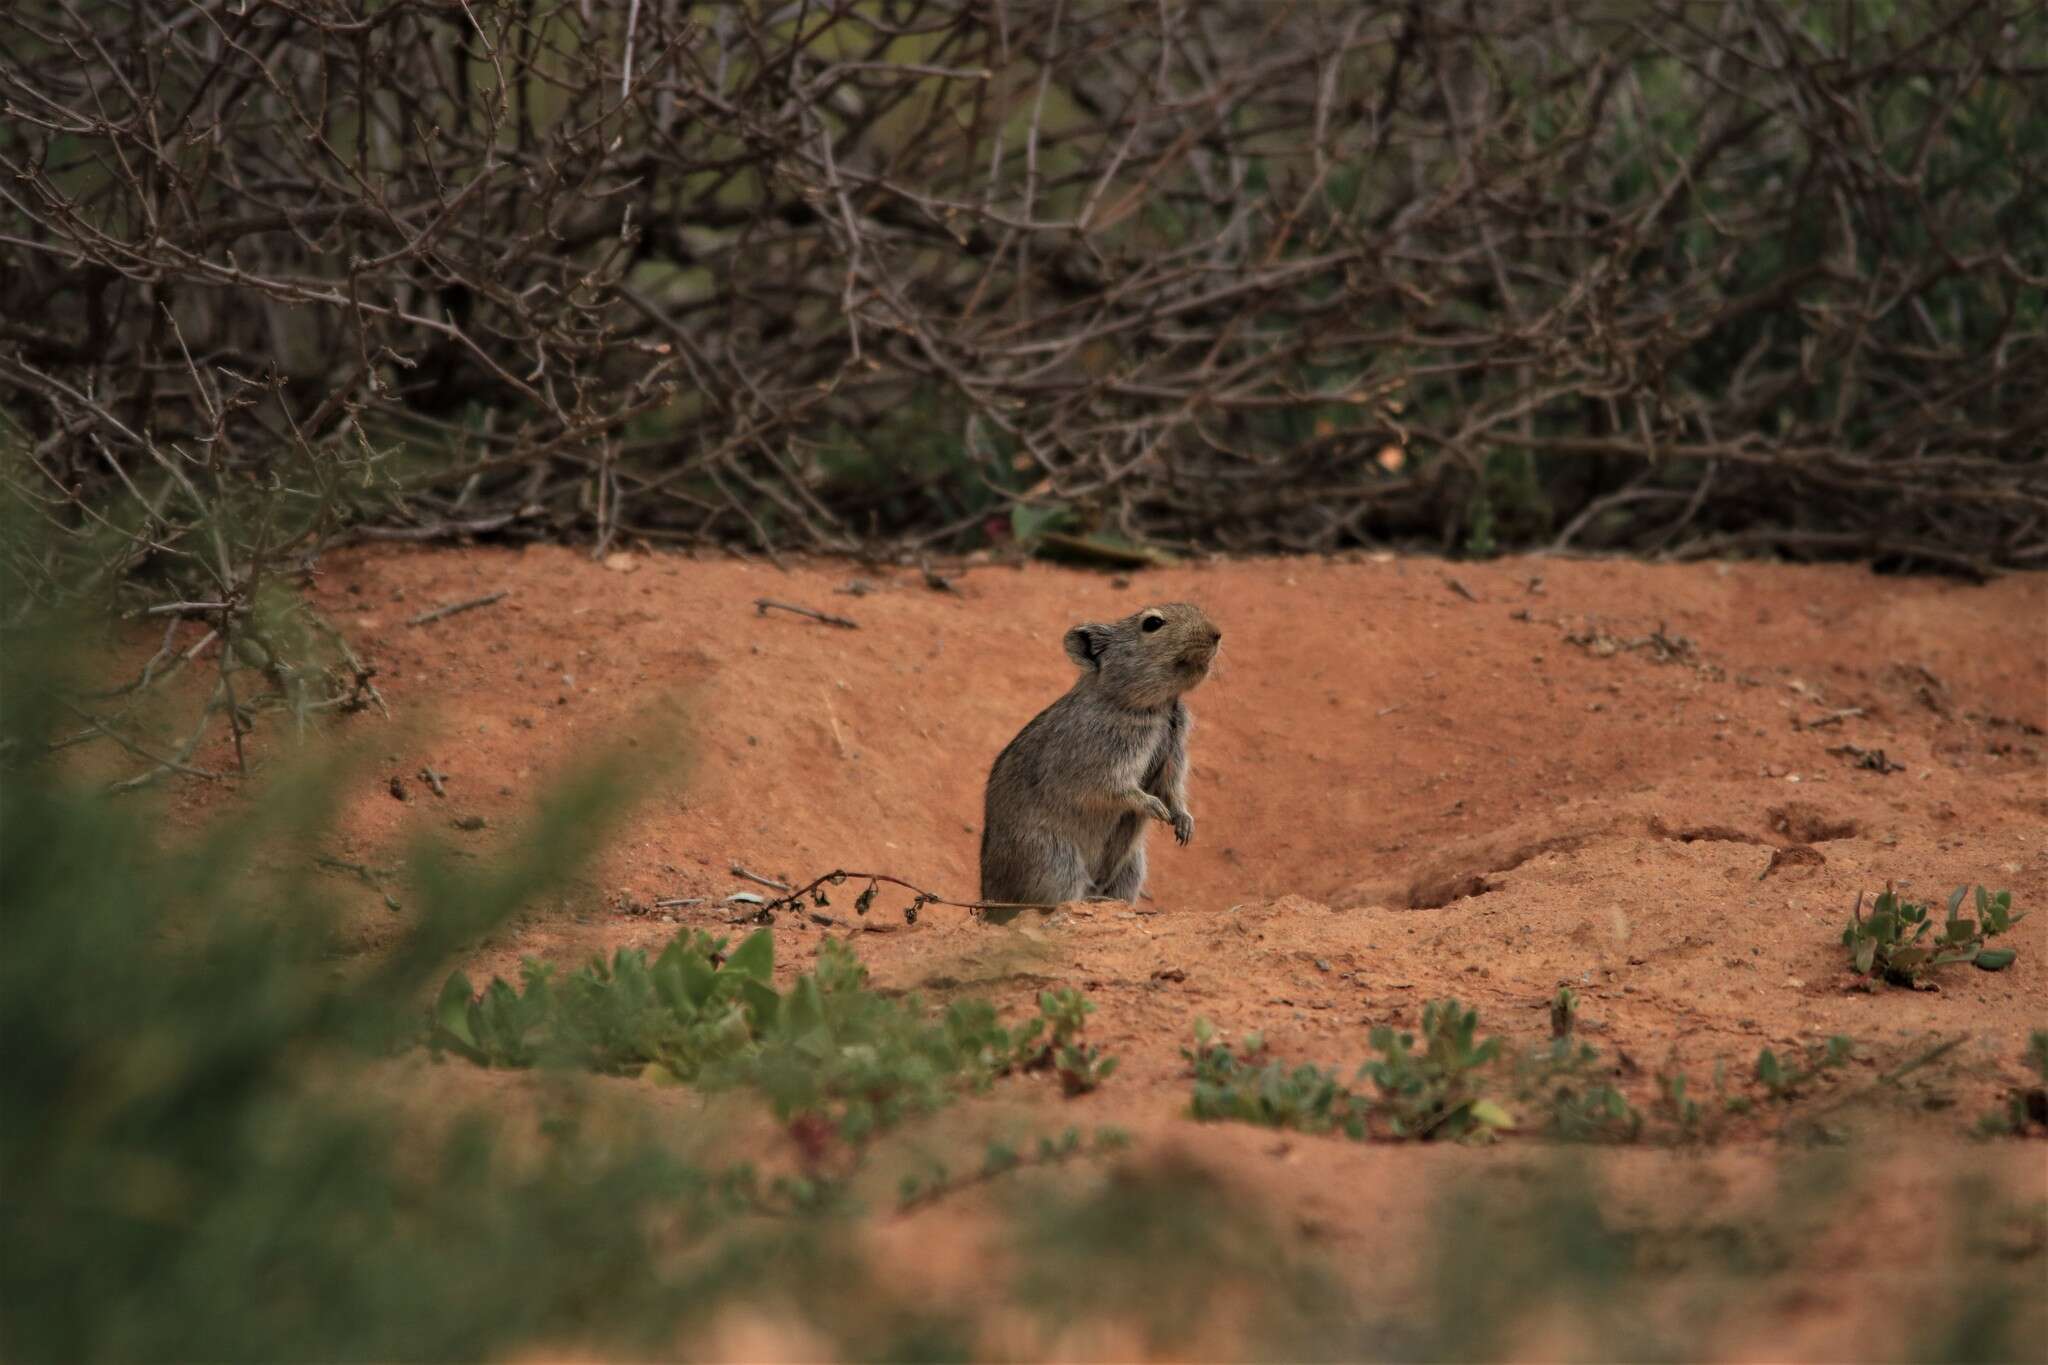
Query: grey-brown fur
[{"x": 1067, "y": 802}]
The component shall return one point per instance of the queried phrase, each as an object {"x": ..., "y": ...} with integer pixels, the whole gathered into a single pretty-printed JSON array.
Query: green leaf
[
  {"x": 1028, "y": 523},
  {"x": 755, "y": 958},
  {"x": 761, "y": 1002},
  {"x": 672, "y": 988},
  {"x": 1995, "y": 959},
  {"x": 451, "y": 1010},
  {"x": 1491, "y": 1114},
  {"x": 659, "y": 1073},
  {"x": 699, "y": 978},
  {"x": 1102, "y": 550},
  {"x": 804, "y": 1009}
]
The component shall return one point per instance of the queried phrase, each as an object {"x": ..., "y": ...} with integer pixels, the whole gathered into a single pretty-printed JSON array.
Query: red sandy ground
[{"x": 1412, "y": 779}]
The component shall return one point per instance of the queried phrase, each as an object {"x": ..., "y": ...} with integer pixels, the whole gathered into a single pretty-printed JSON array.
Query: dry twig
[
  {"x": 470, "y": 604},
  {"x": 762, "y": 605}
]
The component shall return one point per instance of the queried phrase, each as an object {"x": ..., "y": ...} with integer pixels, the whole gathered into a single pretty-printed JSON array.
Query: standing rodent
[{"x": 1064, "y": 816}]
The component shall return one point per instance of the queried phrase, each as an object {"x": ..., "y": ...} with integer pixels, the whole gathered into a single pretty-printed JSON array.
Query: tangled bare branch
[{"x": 1666, "y": 277}]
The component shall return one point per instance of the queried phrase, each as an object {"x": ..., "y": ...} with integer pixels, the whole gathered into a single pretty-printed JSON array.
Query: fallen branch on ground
[
  {"x": 813, "y": 891},
  {"x": 440, "y": 613},
  {"x": 763, "y": 604}
]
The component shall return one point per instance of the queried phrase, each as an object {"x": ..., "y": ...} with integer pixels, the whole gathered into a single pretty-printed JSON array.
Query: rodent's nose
[{"x": 1215, "y": 636}]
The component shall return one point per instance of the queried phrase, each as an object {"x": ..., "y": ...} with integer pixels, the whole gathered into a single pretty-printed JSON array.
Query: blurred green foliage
[
  {"x": 1172, "y": 1258},
  {"x": 187, "y": 1168},
  {"x": 2026, "y": 1109}
]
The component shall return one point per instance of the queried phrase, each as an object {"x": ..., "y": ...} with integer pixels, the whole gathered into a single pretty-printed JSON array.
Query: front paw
[
  {"x": 1183, "y": 827},
  {"x": 1156, "y": 808}
]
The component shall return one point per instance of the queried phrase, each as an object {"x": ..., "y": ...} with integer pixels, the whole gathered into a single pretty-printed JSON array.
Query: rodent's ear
[{"x": 1085, "y": 645}]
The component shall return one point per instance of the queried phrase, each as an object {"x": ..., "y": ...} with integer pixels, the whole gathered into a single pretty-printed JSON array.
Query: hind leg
[
  {"x": 1127, "y": 878},
  {"x": 1032, "y": 868}
]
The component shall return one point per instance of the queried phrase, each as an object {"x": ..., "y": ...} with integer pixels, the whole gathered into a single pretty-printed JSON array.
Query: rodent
[{"x": 1064, "y": 816}]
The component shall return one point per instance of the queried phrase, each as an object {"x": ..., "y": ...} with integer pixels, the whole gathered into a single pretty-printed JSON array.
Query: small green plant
[
  {"x": 1889, "y": 944},
  {"x": 1564, "y": 1012},
  {"x": 1083, "y": 1067},
  {"x": 1695, "y": 1117},
  {"x": 1245, "y": 1085},
  {"x": 834, "y": 1057},
  {"x": 1435, "y": 1093},
  {"x": 1054, "y": 1039},
  {"x": 1563, "y": 1079},
  {"x": 1687, "y": 1114},
  {"x": 1783, "y": 1081},
  {"x": 2027, "y": 1108},
  {"x": 692, "y": 1006}
]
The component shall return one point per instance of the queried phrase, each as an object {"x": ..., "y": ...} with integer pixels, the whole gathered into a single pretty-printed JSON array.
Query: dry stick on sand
[
  {"x": 762, "y": 604},
  {"x": 426, "y": 617},
  {"x": 795, "y": 899},
  {"x": 758, "y": 879}
]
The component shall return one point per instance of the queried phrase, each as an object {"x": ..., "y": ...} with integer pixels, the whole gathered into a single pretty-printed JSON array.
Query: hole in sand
[
  {"x": 1802, "y": 822},
  {"x": 1436, "y": 893},
  {"x": 1694, "y": 834}
]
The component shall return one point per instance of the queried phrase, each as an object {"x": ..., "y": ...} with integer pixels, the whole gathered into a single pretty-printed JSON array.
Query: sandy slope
[{"x": 1412, "y": 779}]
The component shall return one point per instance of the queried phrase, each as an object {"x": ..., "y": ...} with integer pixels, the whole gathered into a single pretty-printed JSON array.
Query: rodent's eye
[{"x": 1151, "y": 623}]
